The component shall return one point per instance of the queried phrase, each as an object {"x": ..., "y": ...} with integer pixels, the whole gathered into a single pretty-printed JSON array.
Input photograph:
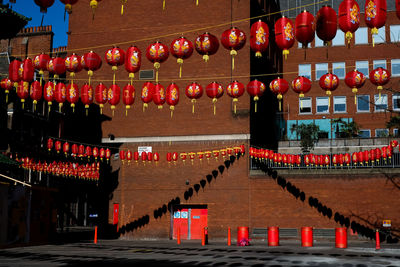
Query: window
[
  {"x": 339, "y": 69},
  {"x": 362, "y": 66},
  {"x": 381, "y": 36},
  {"x": 381, "y": 103},
  {"x": 396, "y": 132},
  {"x": 361, "y": 36},
  {"x": 305, "y": 105},
  {"x": 396, "y": 102},
  {"x": 322, "y": 104},
  {"x": 379, "y": 63},
  {"x": 339, "y": 104},
  {"x": 300, "y": 45},
  {"x": 394, "y": 33},
  {"x": 381, "y": 132},
  {"x": 146, "y": 74},
  {"x": 364, "y": 133},
  {"x": 320, "y": 69},
  {"x": 339, "y": 39},
  {"x": 395, "y": 67},
  {"x": 318, "y": 42},
  {"x": 305, "y": 70},
  {"x": 363, "y": 103}
]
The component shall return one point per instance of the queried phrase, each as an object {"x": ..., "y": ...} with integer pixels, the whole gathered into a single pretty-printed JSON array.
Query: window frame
[
  {"x": 361, "y": 31},
  {"x": 339, "y": 34},
  {"x": 345, "y": 104},
  {"x": 359, "y": 69},
  {"x": 383, "y": 129},
  {"x": 376, "y": 98},
  {"x": 391, "y": 67},
  {"x": 369, "y": 104},
  {"x": 381, "y": 33},
  {"x": 344, "y": 69},
  {"x": 394, "y": 40},
  {"x": 365, "y": 130},
  {"x": 395, "y": 96},
  {"x": 377, "y": 62},
  {"x": 300, "y": 104},
  {"x": 315, "y": 71},
  {"x": 327, "y": 105},
  {"x": 302, "y": 73}
]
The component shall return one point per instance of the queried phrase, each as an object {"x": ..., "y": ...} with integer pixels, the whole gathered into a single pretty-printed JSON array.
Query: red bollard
[
  {"x": 341, "y": 237},
  {"x": 229, "y": 236},
  {"x": 243, "y": 236},
  {"x": 95, "y": 235},
  {"x": 178, "y": 238},
  {"x": 306, "y": 236},
  {"x": 203, "y": 237},
  {"x": 273, "y": 236},
  {"x": 378, "y": 240}
]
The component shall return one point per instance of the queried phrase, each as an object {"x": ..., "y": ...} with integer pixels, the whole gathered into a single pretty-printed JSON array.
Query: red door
[
  {"x": 190, "y": 221},
  {"x": 181, "y": 217},
  {"x": 198, "y": 220}
]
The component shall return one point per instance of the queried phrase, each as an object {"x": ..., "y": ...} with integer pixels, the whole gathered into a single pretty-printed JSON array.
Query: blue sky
[{"x": 54, "y": 17}]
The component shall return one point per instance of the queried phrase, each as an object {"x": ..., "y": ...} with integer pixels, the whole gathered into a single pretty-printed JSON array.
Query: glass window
[
  {"x": 318, "y": 42},
  {"x": 363, "y": 103},
  {"x": 381, "y": 36},
  {"x": 339, "y": 39},
  {"x": 381, "y": 132},
  {"x": 364, "y": 133},
  {"x": 322, "y": 104},
  {"x": 394, "y": 33},
  {"x": 305, "y": 105},
  {"x": 381, "y": 103},
  {"x": 379, "y": 63},
  {"x": 361, "y": 36},
  {"x": 320, "y": 69},
  {"x": 396, "y": 102},
  {"x": 339, "y": 104},
  {"x": 300, "y": 45},
  {"x": 396, "y": 132},
  {"x": 362, "y": 66},
  {"x": 395, "y": 67},
  {"x": 339, "y": 69},
  {"x": 305, "y": 70}
]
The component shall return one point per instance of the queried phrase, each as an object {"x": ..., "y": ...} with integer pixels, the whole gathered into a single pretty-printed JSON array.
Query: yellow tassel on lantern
[
  {"x": 329, "y": 93},
  {"x": 193, "y": 102},
  {"x": 285, "y": 53},
  {"x": 6, "y": 91},
  {"x": 112, "y": 108},
  {"x": 49, "y": 104},
  {"x": 131, "y": 76},
  {"x": 349, "y": 36},
  {"x": 233, "y": 54},
  {"x": 34, "y": 105},
  {"x": 206, "y": 58},
  {"x": 354, "y": 91},
  {"x": 127, "y": 107},
  {"x": 380, "y": 88},
  {"x": 301, "y": 95},
  {"x": 258, "y": 54},
  {"x": 235, "y": 100},
  {"x": 101, "y": 108},
  {"x": 41, "y": 76},
  {"x": 60, "y": 106},
  {"x": 163, "y": 5},
  {"x": 374, "y": 31},
  {"x": 90, "y": 74},
  {"x": 122, "y": 7},
  {"x": 87, "y": 110},
  {"x": 157, "y": 65},
  {"x": 197, "y": 2},
  {"x": 93, "y": 5},
  {"x": 172, "y": 108},
  {"x": 145, "y": 105},
  {"x": 114, "y": 69},
  {"x": 279, "y": 96},
  {"x": 180, "y": 62},
  {"x": 256, "y": 98},
  {"x": 215, "y": 108},
  {"x": 73, "y": 107}
]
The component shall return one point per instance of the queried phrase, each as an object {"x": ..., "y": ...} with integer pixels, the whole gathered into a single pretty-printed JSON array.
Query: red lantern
[
  {"x": 88, "y": 151},
  {"x": 301, "y": 85},
  {"x": 242, "y": 149},
  {"x": 214, "y": 90},
  {"x": 305, "y": 32},
  {"x": 183, "y": 157},
  {"x": 389, "y": 152},
  {"x": 147, "y": 94},
  {"x": 375, "y": 16},
  {"x": 159, "y": 95},
  {"x": 378, "y": 153},
  {"x": 235, "y": 90},
  {"x": 206, "y": 44},
  {"x": 128, "y": 97},
  {"x": 169, "y": 157},
  {"x": 279, "y": 87},
  {"x": 49, "y": 144},
  {"x": 13, "y": 72},
  {"x": 73, "y": 95},
  {"x": 394, "y": 143},
  {"x": 156, "y": 157},
  {"x": 133, "y": 61},
  {"x": 335, "y": 159},
  {"x": 354, "y": 158},
  {"x": 233, "y": 40},
  {"x": 175, "y": 157},
  {"x": 259, "y": 37},
  {"x": 115, "y": 57},
  {"x": 101, "y": 95},
  {"x": 326, "y": 160},
  {"x": 60, "y": 94},
  {"x": 95, "y": 153},
  {"x": 81, "y": 151},
  {"x": 7, "y": 85},
  {"x": 136, "y": 156},
  {"x": 355, "y": 80},
  {"x": 36, "y": 93},
  {"x": 57, "y": 146},
  {"x": 366, "y": 156},
  {"x": 157, "y": 53},
  {"x": 114, "y": 95},
  {"x": 379, "y": 77},
  {"x": 398, "y": 8},
  {"x": 91, "y": 62},
  {"x": 255, "y": 89},
  {"x": 194, "y": 91},
  {"x": 40, "y": 63},
  {"x": 326, "y": 24},
  {"x": 349, "y": 18},
  {"x": 23, "y": 91},
  {"x": 284, "y": 35},
  {"x": 360, "y": 157},
  {"x": 87, "y": 96},
  {"x": 181, "y": 48},
  {"x": 329, "y": 82},
  {"x": 372, "y": 154},
  {"x": 149, "y": 156},
  {"x": 108, "y": 154},
  {"x": 44, "y": 4},
  {"x": 172, "y": 96},
  {"x": 26, "y": 70},
  {"x": 74, "y": 150},
  {"x": 68, "y": 5},
  {"x": 56, "y": 66},
  {"x": 144, "y": 157},
  {"x": 73, "y": 65},
  {"x": 347, "y": 159}
]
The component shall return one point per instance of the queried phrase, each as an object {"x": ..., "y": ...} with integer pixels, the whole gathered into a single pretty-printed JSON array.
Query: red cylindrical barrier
[
  {"x": 341, "y": 237},
  {"x": 203, "y": 237},
  {"x": 273, "y": 236},
  {"x": 229, "y": 236},
  {"x": 178, "y": 238},
  {"x": 306, "y": 236},
  {"x": 242, "y": 236},
  {"x": 95, "y": 234},
  {"x": 378, "y": 240}
]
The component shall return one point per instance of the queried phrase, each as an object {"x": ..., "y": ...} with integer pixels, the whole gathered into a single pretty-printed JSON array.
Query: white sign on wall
[{"x": 146, "y": 149}]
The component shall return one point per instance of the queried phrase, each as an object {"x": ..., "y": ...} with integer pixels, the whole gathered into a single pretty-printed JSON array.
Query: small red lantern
[
  {"x": 56, "y": 66},
  {"x": 114, "y": 95},
  {"x": 147, "y": 94},
  {"x": 101, "y": 95},
  {"x": 40, "y": 63},
  {"x": 242, "y": 149},
  {"x": 136, "y": 156},
  {"x": 7, "y": 85},
  {"x": 279, "y": 87},
  {"x": 159, "y": 95},
  {"x": 366, "y": 156},
  {"x": 60, "y": 94},
  {"x": 206, "y": 44},
  {"x": 284, "y": 35},
  {"x": 95, "y": 152},
  {"x": 347, "y": 159},
  {"x": 326, "y": 160},
  {"x": 73, "y": 65},
  {"x": 329, "y": 82},
  {"x": 128, "y": 97},
  {"x": 81, "y": 151},
  {"x": 169, "y": 157},
  {"x": 360, "y": 157},
  {"x": 233, "y": 40},
  {"x": 157, "y": 53},
  {"x": 175, "y": 157},
  {"x": 149, "y": 157},
  {"x": 214, "y": 90},
  {"x": 50, "y": 144},
  {"x": 108, "y": 154},
  {"x": 26, "y": 70},
  {"x": 48, "y": 93},
  {"x": 73, "y": 95},
  {"x": 172, "y": 97},
  {"x": 133, "y": 61},
  {"x": 372, "y": 154},
  {"x": 224, "y": 151},
  {"x": 194, "y": 91},
  {"x": 301, "y": 85},
  {"x": 91, "y": 62},
  {"x": 58, "y": 146},
  {"x": 326, "y": 24},
  {"x": 74, "y": 150},
  {"x": 181, "y": 48},
  {"x": 115, "y": 57},
  {"x": 208, "y": 155},
  {"x": 215, "y": 154},
  {"x": 156, "y": 157},
  {"x": 379, "y": 77},
  {"x": 36, "y": 93},
  {"x": 13, "y": 72},
  {"x": 259, "y": 37},
  {"x": 183, "y": 156},
  {"x": 355, "y": 80},
  {"x": 68, "y": 5},
  {"x": 375, "y": 16},
  {"x": 235, "y": 90},
  {"x": 144, "y": 157},
  {"x": 88, "y": 152},
  {"x": 349, "y": 18},
  {"x": 87, "y": 96},
  {"x": 44, "y": 4},
  {"x": 255, "y": 89},
  {"x": 394, "y": 143},
  {"x": 305, "y": 32},
  {"x": 354, "y": 158},
  {"x": 335, "y": 160},
  {"x": 23, "y": 91}
]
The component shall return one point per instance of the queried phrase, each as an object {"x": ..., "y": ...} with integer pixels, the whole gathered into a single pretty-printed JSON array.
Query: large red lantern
[
  {"x": 68, "y": 5},
  {"x": 115, "y": 57},
  {"x": 114, "y": 95},
  {"x": 159, "y": 95},
  {"x": 66, "y": 148},
  {"x": 128, "y": 97},
  {"x": 73, "y": 65},
  {"x": 13, "y": 72},
  {"x": 259, "y": 37},
  {"x": 56, "y": 66},
  {"x": 86, "y": 96},
  {"x": 133, "y": 61},
  {"x": 23, "y": 91},
  {"x": 214, "y": 90},
  {"x": 60, "y": 94},
  {"x": 44, "y": 4},
  {"x": 40, "y": 63},
  {"x": 27, "y": 70},
  {"x": 375, "y": 16},
  {"x": 194, "y": 91},
  {"x": 326, "y": 24},
  {"x": 73, "y": 95},
  {"x": 101, "y": 95},
  {"x": 235, "y": 90},
  {"x": 379, "y": 77},
  {"x": 279, "y": 87},
  {"x": 91, "y": 62},
  {"x": 206, "y": 44},
  {"x": 7, "y": 85},
  {"x": 349, "y": 18},
  {"x": 329, "y": 82},
  {"x": 284, "y": 35},
  {"x": 301, "y": 85},
  {"x": 355, "y": 80},
  {"x": 181, "y": 48},
  {"x": 172, "y": 96},
  {"x": 36, "y": 93},
  {"x": 305, "y": 32},
  {"x": 147, "y": 94},
  {"x": 233, "y": 40},
  {"x": 255, "y": 89},
  {"x": 157, "y": 53}
]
